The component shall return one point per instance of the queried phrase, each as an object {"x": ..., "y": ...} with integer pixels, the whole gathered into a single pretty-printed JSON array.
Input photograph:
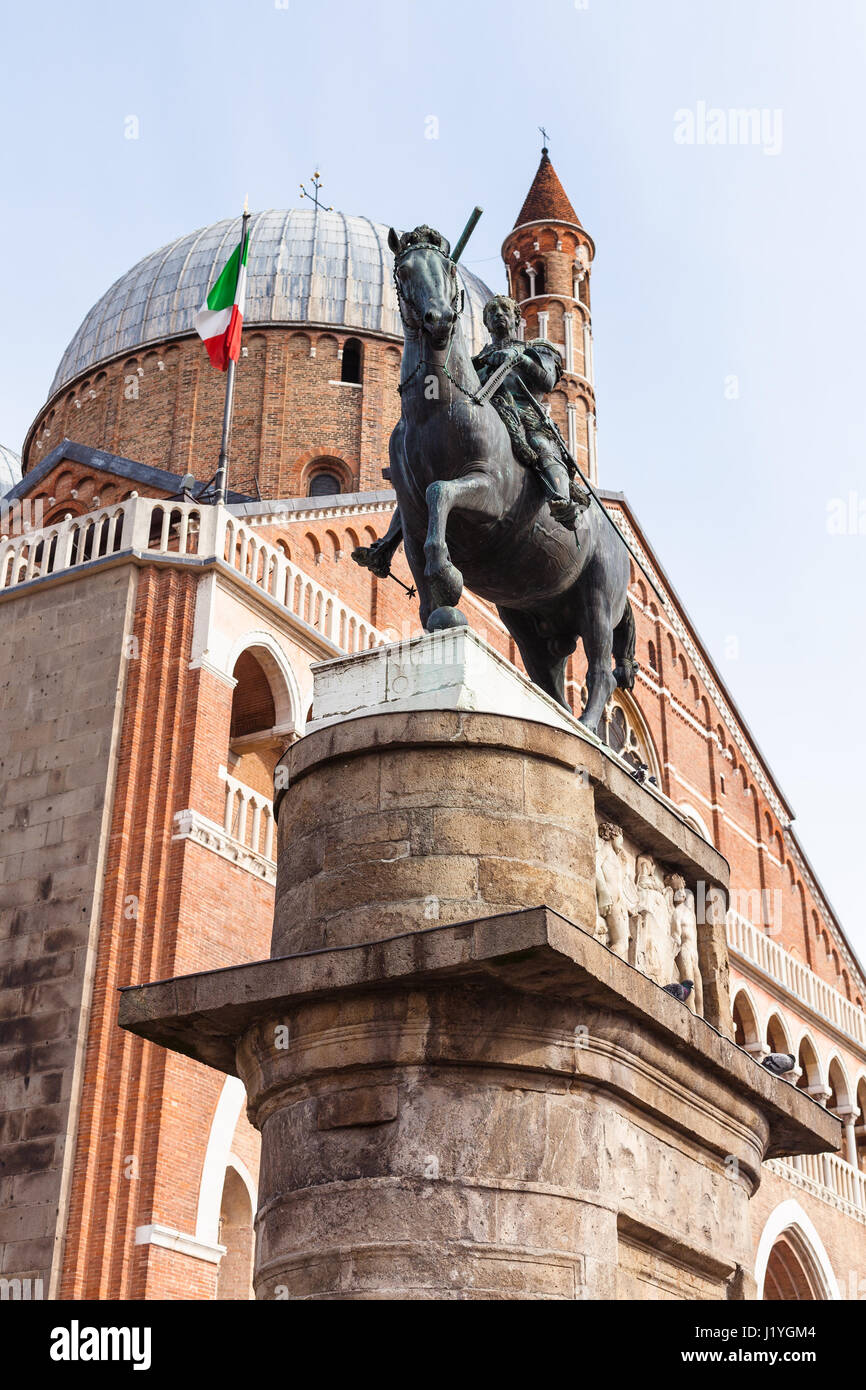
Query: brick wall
[
  {"x": 164, "y": 407},
  {"x": 170, "y": 907}
]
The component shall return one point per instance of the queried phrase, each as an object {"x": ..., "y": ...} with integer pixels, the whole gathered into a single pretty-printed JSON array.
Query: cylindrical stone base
[
  {"x": 400, "y": 822},
  {"x": 472, "y": 1141}
]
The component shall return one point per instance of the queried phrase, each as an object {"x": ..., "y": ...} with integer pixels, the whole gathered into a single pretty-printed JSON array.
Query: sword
[{"x": 496, "y": 378}]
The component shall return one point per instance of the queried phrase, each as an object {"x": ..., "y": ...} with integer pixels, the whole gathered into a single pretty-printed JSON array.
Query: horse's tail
[{"x": 623, "y": 650}]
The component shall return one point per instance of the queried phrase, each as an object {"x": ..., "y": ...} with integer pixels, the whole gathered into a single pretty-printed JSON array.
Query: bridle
[{"x": 417, "y": 322}]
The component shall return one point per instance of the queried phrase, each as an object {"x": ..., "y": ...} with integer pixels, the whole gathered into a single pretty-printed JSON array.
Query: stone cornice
[
  {"x": 552, "y": 223},
  {"x": 193, "y": 826}
]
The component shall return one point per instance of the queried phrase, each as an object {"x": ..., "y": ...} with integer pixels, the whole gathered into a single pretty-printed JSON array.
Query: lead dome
[{"x": 305, "y": 266}]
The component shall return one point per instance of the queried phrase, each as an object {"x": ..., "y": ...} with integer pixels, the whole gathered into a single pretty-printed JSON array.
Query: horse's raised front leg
[{"x": 472, "y": 493}]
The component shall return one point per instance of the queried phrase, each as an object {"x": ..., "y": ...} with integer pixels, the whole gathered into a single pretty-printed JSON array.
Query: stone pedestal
[{"x": 462, "y": 1091}]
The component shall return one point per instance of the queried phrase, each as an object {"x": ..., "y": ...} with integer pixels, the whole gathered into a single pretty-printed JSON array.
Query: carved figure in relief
[
  {"x": 655, "y": 953},
  {"x": 614, "y": 890},
  {"x": 685, "y": 936}
]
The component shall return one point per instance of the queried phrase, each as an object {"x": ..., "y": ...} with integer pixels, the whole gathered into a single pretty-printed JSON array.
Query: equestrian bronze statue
[{"x": 487, "y": 493}]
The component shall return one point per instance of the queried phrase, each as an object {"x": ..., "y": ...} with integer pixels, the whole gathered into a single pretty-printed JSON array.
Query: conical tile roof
[{"x": 546, "y": 199}]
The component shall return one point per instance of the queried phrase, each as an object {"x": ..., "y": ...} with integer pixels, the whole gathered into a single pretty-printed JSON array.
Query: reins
[{"x": 417, "y": 325}]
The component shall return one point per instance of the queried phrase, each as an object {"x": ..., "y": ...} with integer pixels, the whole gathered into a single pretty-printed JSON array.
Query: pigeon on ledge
[
  {"x": 779, "y": 1062},
  {"x": 681, "y": 991}
]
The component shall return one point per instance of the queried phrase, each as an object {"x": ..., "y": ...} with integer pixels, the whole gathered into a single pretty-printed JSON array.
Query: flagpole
[{"x": 222, "y": 473}]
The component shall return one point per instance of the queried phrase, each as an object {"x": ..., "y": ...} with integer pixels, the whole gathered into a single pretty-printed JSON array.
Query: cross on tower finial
[
  {"x": 545, "y": 138},
  {"x": 317, "y": 183}
]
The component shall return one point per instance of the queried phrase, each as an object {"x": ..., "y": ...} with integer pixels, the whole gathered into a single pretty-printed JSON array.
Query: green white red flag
[{"x": 220, "y": 319}]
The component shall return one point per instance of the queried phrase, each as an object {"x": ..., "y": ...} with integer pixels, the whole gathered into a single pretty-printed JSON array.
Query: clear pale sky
[{"x": 714, "y": 263}]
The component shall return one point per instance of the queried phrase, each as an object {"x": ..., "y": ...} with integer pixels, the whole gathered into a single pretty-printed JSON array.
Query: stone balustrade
[
  {"x": 828, "y": 1177},
  {"x": 249, "y": 816},
  {"x": 752, "y": 944},
  {"x": 171, "y": 528}
]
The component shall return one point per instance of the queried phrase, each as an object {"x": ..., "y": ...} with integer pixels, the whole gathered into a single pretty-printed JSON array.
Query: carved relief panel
[{"x": 646, "y": 914}]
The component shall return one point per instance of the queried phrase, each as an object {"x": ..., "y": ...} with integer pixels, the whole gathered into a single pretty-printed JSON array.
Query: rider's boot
[
  {"x": 378, "y": 556},
  {"x": 566, "y": 510}
]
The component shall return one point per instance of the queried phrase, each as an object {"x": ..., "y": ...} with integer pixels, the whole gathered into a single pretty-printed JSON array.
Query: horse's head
[{"x": 428, "y": 290}]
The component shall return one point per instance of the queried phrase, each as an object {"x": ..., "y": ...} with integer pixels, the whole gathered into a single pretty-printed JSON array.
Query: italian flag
[{"x": 220, "y": 319}]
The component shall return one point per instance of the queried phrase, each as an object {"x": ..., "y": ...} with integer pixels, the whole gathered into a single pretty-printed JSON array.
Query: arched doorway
[
  {"x": 787, "y": 1278},
  {"x": 235, "y": 1278},
  {"x": 791, "y": 1263}
]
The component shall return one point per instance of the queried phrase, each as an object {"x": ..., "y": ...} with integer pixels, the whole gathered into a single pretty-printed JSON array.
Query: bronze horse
[{"x": 469, "y": 512}]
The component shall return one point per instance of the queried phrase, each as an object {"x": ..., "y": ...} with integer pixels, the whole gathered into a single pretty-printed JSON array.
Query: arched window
[
  {"x": 807, "y": 1061},
  {"x": 252, "y": 703},
  {"x": 324, "y": 484},
  {"x": 746, "y": 1031},
  {"x": 262, "y": 726},
  {"x": 860, "y": 1127},
  {"x": 350, "y": 368},
  {"x": 791, "y": 1263},
  {"x": 622, "y": 728},
  {"x": 777, "y": 1035},
  {"x": 840, "y": 1090}
]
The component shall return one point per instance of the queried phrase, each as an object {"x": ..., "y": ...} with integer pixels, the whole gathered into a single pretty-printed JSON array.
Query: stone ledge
[
  {"x": 199, "y": 830},
  {"x": 535, "y": 951},
  {"x": 453, "y": 669},
  {"x": 170, "y": 1239}
]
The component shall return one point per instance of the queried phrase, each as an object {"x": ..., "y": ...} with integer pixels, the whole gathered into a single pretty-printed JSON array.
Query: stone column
[
  {"x": 568, "y": 322},
  {"x": 588, "y": 368},
  {"x": 591, "y": 448},
  {"x": 820, "y": 1093},
  {"x": 848, "y": 1115}
]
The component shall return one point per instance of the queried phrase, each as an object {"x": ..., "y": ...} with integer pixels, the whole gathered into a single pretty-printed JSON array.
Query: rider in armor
[{"x": 536, "y": 370}]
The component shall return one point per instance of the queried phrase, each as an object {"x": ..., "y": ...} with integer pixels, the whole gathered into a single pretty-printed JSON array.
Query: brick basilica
[{"x": 156, "y": 665}]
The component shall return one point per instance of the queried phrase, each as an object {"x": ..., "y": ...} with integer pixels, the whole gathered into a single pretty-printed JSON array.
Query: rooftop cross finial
[
  {"x": 317, "y": 183},
  {"x": 545, "y": 138}
]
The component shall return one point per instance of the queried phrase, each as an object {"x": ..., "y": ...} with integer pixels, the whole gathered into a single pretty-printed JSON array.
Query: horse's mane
[{"x": 424, "y": 236}]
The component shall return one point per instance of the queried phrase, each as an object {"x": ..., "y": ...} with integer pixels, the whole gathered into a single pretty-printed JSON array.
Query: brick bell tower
[{"x": 548, "y": 259}]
